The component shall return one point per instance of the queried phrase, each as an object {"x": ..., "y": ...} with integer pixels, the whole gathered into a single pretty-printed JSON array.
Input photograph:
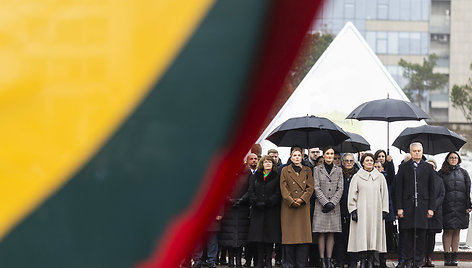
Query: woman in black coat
[
  {"x": 265, "y": 197},
  {"x": 456, "y": 205},
  {"x": 235, "y": 223},
  {"x": 435, "y": 224}
]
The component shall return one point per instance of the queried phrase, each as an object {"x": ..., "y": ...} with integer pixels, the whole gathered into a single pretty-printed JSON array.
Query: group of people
[{"x": 327, "y": 210}]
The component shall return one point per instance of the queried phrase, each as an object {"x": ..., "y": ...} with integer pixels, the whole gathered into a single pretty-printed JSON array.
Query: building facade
[{"x": 411, "y": 30}]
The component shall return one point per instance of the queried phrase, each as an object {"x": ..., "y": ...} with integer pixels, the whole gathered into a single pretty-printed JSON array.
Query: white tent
[{"x": 345, "y": 76}]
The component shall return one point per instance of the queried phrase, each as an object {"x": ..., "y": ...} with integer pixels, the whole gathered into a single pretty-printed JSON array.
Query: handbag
[{"x": 392, "y": 237}]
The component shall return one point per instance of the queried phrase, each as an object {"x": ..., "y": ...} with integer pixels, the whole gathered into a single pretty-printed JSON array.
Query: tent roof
[{"x": 345, "y": 76}]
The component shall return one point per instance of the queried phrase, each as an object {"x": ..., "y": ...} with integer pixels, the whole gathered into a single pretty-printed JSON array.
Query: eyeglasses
[
  {"x": 453, "y": 157},
  {"x": 337, "y": 158},
  {"x": 348, "y": 161}
]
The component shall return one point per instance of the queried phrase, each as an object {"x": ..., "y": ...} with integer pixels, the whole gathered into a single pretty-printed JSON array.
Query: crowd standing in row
[{"x": 328, "y": 211}]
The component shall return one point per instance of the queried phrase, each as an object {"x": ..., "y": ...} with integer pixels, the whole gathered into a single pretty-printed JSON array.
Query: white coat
[{"x": 368, "y": 194}]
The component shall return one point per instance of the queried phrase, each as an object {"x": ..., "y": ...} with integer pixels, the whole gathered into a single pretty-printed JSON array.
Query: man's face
[
  {"x": 348, "y": 161},
  {"x": 416, "y": 152},
  {"x": 252, "y": 161},
  {"x": 275, "y": 156},
  {"x": 314, "y": 153}
]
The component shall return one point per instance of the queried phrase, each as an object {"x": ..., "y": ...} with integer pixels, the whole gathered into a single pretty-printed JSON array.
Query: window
[
  {"x": 382, "y": 12},
  {"x": 393, "y": 43},
  {"x": 404, "y": 43},
  {"x": 381, "y": 43},
  {"x": 349, "y": 11}
]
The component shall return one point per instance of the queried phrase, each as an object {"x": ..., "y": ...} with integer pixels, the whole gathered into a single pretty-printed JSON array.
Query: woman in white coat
[{"x": 368, "y": 205}]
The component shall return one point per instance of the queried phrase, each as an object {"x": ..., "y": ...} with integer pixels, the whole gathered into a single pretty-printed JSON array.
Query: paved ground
[{"x": 437, "y": 264}]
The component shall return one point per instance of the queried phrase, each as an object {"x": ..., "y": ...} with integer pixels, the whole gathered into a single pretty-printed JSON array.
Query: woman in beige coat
[
  {"x": 329, "y": 184},
  {"x": 296, "y": 187},
  {"x": 368, "y": 205}
]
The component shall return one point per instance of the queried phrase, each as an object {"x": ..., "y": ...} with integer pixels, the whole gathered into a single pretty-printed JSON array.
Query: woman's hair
[
  {"x": 327, "y": 148},
  {"x": 260, "y": 164},
  {"x": 446, "y": 167},
  {"x": 376, "y": 155},
  {"x": 365, "y": 156},
  {"x": 296, "y": 148}
]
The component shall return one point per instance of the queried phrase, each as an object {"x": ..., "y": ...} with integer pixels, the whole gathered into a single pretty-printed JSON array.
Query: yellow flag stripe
[{"x": 71, "y": 72}]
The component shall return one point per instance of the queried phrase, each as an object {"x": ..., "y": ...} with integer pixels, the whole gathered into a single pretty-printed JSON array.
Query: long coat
[
  {"x": 235, "y": 224},
  {"x": 264, "y": 224},
  {"x": 457, "y": 199},
  {"x": 405, "y": 193},
  {"x": 296, "y": 224},
  {"x": 328, "y": 188},
  {"x": 368, "y": 194},
  {"x": 435, "y": 224}
]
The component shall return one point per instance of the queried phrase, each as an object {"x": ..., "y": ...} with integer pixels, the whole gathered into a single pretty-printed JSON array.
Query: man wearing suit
[{"x": 414, "y": 215}]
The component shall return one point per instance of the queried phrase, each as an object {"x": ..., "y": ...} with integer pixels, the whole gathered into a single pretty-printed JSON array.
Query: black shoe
[
  {"x": 447, "y": 259},
  {"x": 278, "y": 263},
  {"x": 352, "y": 265},
  {"x": 212, "y": 265},
  {"x": 453, "y": 258},
  {"x": 400, "y": 265},
  {"x": 197, "y": 265}
]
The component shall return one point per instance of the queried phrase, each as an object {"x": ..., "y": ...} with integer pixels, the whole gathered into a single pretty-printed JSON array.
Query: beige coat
[
  {"x": 296, "y": 224},
  {"x": 368, "y": 194},
  {"x": 328, "y": 188}
]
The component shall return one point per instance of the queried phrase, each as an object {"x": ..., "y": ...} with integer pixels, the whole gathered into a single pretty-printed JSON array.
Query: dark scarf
[
  {"x": 348, "y": 172},
  {"x": 296, "y": 168},
  {"x": 329, "y": 167}
]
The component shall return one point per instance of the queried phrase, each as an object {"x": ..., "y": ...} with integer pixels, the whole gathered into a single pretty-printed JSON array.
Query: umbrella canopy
[
  {"x": 389, "y": 110},
  {"x": 355, "y": 143},
  {"x": 307, "y": 132},
  {"x": 435, "y": 139}
]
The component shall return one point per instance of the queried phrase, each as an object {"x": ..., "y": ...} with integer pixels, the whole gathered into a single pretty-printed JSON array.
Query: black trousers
[
  {"x": 340, "y": 244},
  {"x": 278, "y": 252},
  {"x": 408, "y": 244},
  {"x": 295, "y": 255},
  {"x": 430, "y": 242},
  {"x": 264, "y": 255},
  {"x": 250, "y": 253}
]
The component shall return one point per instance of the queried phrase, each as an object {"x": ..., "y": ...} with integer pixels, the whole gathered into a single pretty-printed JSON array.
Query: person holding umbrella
[
  {"x": 456, "y": 205},
  {"x": 296, "y": 187},
  {"x": 387, "y": 164},
  {"x": 415, "y": 202},
  {"x": 327, "y": 215}
]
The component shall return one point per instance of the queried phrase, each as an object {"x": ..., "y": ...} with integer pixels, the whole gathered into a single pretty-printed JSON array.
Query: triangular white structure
[{"x": 345, "y": 76}]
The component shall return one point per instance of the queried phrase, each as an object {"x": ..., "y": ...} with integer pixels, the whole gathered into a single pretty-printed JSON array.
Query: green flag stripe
[{"x": 115, "y": 208}]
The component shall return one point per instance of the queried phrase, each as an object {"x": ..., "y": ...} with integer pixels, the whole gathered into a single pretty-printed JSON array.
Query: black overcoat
[
  {"x": 436, "y": 222},
  {"x": 265, "y": 223},
  {"x": 457, "y": 199},
  {"x": 405, "y": 194},
  {"x": 235, "y": 223}
]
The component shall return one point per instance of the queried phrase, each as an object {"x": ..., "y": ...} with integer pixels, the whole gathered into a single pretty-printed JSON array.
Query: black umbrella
[
  {"x": 389, "y": 110},
  {"x": 307, "y": 132},
  {"x": 435, "y": 139},
  {"x": 355, "y": 143}
]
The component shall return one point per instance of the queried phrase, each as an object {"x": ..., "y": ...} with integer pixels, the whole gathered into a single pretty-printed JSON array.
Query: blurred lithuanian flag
[{"x": 123, "y": 122}]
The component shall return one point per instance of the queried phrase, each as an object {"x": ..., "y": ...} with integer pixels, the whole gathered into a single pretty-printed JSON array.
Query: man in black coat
[{"x": 414, "y": 215}]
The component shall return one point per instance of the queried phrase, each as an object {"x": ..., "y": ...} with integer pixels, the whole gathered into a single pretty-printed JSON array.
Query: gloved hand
[
  {"x": 384, "y": 215},
  {"x": 354, "y": 215},
  {"x": 260, "y": 205},
  {"x": 328, "y": 207},
  {"x": 237, "y": 203}
]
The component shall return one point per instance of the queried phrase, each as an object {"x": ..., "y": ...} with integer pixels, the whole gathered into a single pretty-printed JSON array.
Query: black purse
[{"x": 392, "y": 237}]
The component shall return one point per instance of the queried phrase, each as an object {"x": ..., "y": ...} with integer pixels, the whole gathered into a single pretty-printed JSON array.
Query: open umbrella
[
  {"x": 435, "y": 139},
  {"x": 307, "y": 132},
  {"x": 389, "y": 110},
  {"x": 355, "y": 143}
]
